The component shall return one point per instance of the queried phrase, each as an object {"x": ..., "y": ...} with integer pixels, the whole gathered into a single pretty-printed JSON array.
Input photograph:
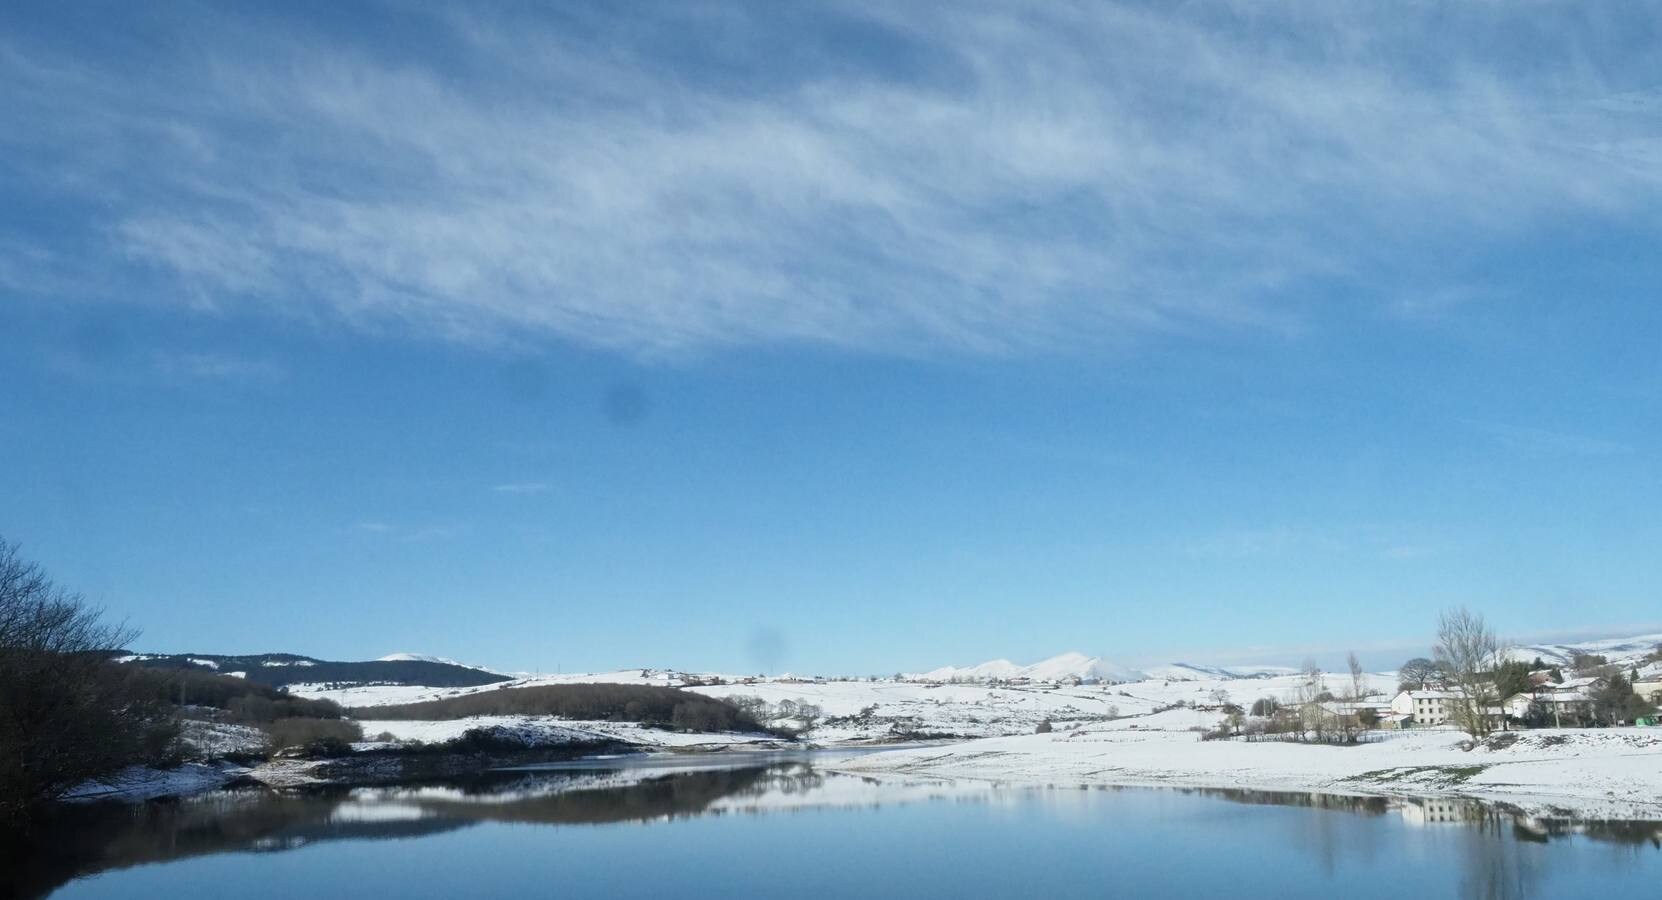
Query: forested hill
[{"x": 278, "y": 669}]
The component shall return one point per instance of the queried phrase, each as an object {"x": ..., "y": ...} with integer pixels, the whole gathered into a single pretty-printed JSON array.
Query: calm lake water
[{"x": 789, "y": 829}]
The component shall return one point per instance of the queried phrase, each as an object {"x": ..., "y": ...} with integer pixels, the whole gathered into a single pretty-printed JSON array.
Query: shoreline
[
  {"x": 1611, "y": 774},
  {"x": 1594, "y": 774}
]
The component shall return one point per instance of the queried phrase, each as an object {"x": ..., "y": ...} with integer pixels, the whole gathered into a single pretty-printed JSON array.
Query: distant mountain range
[
  {"x": 1079, "y": 665},
  {"x": 1194, "y": 672},
  {"x": 1057, "y": 667},
  {"x": 1620, "y": 651},
  {"x": 279, "y": 669}
]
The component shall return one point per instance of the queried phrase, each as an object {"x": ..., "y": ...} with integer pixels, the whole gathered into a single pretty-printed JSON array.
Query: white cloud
[{"x": 982, "y": 182}]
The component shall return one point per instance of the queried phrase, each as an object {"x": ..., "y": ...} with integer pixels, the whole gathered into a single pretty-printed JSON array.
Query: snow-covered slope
[
  {"x": 1619, "y": 651},
  {"x": 1071, "y": 664},
  {"x": 1597, "y": 773},
  {"x": 998, "y": 668},
  {"x": 422, "y": 657}
]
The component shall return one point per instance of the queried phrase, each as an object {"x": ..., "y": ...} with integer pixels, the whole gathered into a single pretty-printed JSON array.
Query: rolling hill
[{"x": 280, "y": 669}]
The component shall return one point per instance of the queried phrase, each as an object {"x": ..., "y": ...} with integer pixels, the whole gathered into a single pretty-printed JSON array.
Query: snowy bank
[
  {"x": 1611, "y": 773},
  {"x": 139, "y": 783}
]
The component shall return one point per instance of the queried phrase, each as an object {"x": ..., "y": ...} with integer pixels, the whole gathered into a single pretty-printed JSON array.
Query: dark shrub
[
  {"x": 245, "y": 701},
  {"x": 296, "y": 732},
  {"x": 611, "y": 702},
  {"x": 67, "y": 714},
  {"x": 487, "y": 740}
]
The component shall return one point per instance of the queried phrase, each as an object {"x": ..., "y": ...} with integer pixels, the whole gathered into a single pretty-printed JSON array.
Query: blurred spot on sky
[
  {"x": 626, "y": 405},
  {"x": 766, "y": 648},
  {"x": 525, "y": 382}
]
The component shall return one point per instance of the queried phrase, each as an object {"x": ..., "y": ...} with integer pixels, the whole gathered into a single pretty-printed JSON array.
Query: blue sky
[{"x": 833, "y": 338}]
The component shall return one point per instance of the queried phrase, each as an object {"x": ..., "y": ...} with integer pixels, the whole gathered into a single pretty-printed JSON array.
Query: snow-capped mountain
[
  {"x": 1057, "y": 667},
  {"x": 997, "y": 668},
  {"x": 1196, "y": 672}
]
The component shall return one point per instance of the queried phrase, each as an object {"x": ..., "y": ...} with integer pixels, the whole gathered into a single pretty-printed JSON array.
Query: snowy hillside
[
  {"x": 1093, "y": 668},
  {"x": 987, "y": 671},
  {"x": 864, "y": 710},
  {"x": 1619, "y": 651}
]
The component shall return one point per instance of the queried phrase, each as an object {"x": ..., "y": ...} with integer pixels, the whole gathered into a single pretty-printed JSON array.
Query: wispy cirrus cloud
[{"x": 892, "y": 178}]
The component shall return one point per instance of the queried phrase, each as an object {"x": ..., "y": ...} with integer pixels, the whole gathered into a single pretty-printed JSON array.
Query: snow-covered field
[
  {"x": 1606, "y": 773},
  {"x": 1135, "y": 732},
  {"x": 393, "y": 694},
  {"x": 886, "y": 709}
]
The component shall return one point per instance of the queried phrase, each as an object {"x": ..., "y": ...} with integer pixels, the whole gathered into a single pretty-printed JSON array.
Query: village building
[{"x": 1426, "y": 708}]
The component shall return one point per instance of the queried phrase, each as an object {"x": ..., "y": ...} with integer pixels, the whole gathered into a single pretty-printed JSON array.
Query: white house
[
  {"x": 1649, "y": 683},
  {"x": 1570, "y": 701},
  {"x": 1427, "y": 707},
  {"x": 1517, "y": 705}
]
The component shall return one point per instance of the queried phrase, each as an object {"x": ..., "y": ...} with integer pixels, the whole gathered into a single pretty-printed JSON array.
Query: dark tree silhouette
[{"x": 67, "y": 714}]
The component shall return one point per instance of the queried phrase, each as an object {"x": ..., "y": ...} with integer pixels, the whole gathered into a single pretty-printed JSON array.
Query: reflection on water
[{"x": 1471, "y": 850}]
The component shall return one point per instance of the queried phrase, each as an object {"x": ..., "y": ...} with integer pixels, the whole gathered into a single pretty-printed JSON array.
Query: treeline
[
  {"x": 66, "y": 713},
  {"x": 664, "y": 707},
  {"x": 69, "y": 714},
  {"x": 241, "y": 700},
  {"x": 278, "y": 669}
]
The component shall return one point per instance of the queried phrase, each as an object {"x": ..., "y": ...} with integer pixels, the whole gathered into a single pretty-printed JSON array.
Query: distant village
[{"x": 1593, "y": 693}]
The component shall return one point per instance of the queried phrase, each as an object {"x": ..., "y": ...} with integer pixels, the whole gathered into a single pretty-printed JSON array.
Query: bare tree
[
  {"x": 1307, "y": 698},
  {"x": 67, "y": 714},
  {"x": 1358, "y": 679},
  {"x": 1418, "y": 673},
  {"x": 808, "y": 714},
  {"x": 1468, "y": 651}
]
